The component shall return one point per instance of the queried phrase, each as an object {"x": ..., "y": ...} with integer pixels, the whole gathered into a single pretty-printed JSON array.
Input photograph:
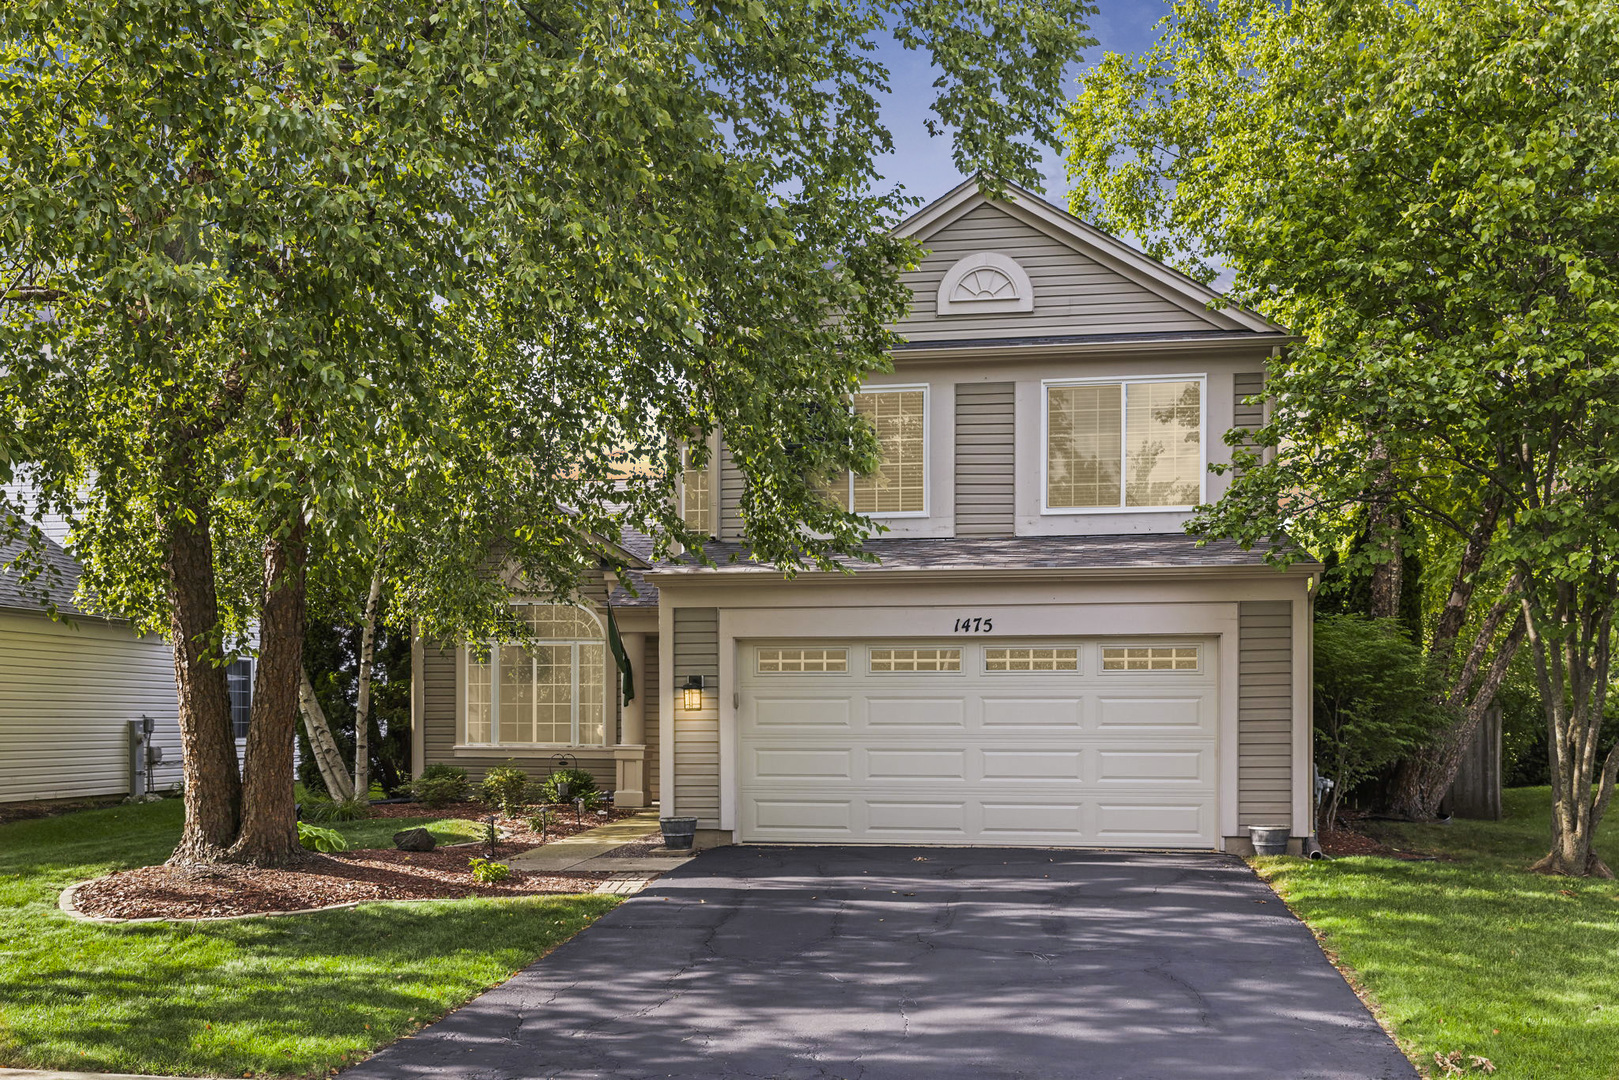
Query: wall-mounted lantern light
[{"x": 692, "y": 693}]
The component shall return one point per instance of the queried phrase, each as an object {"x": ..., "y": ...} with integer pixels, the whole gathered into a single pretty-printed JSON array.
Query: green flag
[{"x": 615, "y": 643}]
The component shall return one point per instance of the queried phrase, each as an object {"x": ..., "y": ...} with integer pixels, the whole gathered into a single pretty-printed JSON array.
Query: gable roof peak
[{"x": 1089, "y": 240}]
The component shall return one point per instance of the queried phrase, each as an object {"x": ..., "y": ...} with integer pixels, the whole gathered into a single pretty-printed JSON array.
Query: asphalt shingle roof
[
  {"x": 58, "y": 581},
  {"x": 1117, "y": 552}
]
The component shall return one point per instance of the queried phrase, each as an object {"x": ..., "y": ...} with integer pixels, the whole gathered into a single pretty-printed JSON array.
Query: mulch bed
[
  {"x": 1340, "y": 842},
  {"x": 319, "y": 880},
  {"x": 171, "y": 892}
]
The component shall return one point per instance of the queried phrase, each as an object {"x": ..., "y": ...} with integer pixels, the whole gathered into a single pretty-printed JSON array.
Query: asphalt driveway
[{"x": 923, "y": 964}]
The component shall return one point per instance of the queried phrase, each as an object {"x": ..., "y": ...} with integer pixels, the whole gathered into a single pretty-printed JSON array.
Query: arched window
[
  {"x": 550, "y": 693},
  {"x": 983, "y": 283}
]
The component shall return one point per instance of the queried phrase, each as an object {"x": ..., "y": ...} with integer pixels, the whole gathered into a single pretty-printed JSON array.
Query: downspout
[{"x": 1312, "y": 843}]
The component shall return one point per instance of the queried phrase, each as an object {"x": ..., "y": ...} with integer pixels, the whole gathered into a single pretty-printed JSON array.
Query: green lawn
[
  {"x": 288, "y": 996},
  {"x": 1471, "y": 953}
]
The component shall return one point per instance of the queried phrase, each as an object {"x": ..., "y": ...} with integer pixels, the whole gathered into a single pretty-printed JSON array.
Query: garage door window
[
  {"x": 1150, "y": 658},
  {"x": 549, "y": 693},
  {"x": 1009, "y": 660},
  {"x": 803, "y": 661},
  {"x": 902, "y": 660}
]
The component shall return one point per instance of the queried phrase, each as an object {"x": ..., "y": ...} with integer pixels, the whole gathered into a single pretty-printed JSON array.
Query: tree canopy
[
  {"x": 283, "y": 283},
  {"x": 1425, "y": 192}
]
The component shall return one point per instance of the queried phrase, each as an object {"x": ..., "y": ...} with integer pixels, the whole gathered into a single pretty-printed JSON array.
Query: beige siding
[
  {"x": 1265, "y": 713},
  {"x": 66, "y": 696},
  {"x": 985, "y": 476},
  {"x": 730, "y": 497},
  {"x": 1073, "y": 294},
  {"x": 1247, "y": 384},
  {"x": 697, "y": 734},
  {"x": 647, "y": 688}
]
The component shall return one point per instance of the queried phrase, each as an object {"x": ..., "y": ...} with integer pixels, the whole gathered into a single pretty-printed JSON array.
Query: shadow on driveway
[{"x": 885, "y": 963}]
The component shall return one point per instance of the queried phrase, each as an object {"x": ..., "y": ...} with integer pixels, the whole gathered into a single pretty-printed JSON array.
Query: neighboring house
[
  {"x": 1042, "y": 656},
  {"x": 69, "y": 687}
]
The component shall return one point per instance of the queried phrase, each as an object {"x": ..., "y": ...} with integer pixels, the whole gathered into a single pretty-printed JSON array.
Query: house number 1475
[{"x": 975, "y": 626}]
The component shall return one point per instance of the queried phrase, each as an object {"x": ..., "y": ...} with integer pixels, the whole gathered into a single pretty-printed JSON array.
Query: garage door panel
[
  {"x": 1150, "y": 822},
  {"x": 800, "y": 764},
  {"x": 796, "y": 815},
  {"x": 1032, "y": 764},
  {"x": 1039, "y": 758},
  {"x": 937, "y": 817},
  {"x": 1033, "y": 712},
  {"x": 1194, "y": 766},
  {"x": 918, "y": 712},
  {"x": 913, "y": 764},
  {"x": 1139, "y": 714},
  {"x": 802, "y": 712},
  {"x": 1058, "y": 821}
]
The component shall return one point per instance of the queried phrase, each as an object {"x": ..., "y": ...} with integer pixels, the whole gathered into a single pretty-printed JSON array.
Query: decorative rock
[{"x": 414, "y": 840}]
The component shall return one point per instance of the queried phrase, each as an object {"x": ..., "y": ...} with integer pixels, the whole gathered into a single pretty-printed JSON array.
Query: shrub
[
  {"x": 317, "y": 809},
  {"x": 316, "y": 838},
  {"x": 440, "y": 785},
  {"x": 1375, "y": 701},
  {"x": 489, "y": 872},
  {"x": 506, "y": 786},
  {"x": 579, "y": 783}
]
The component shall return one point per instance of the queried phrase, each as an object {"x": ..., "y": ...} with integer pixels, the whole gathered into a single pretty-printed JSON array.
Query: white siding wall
[
  {"x": 52, "y": 525},
  {"x": 66, "y": 694}
]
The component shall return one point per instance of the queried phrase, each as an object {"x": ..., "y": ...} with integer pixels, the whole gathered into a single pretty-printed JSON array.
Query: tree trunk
[
  {"x": 213, "y": 790},
  {"x": 1570, "y": 643},
  {"x": 327, "y": 756},
  {"x": 269, "y": 834},
  {"x": 1425, "y": 776},
  {"x": 1385, "y": 532},
  {"x": 362, "y": 706}
]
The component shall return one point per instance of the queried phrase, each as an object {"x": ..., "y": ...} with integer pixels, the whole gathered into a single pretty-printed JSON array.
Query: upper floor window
[
  {"x": 898, "y": 486},
  {"x": 1124, "y": 444},
  {"x": 697, "y": 494},
  {"x": 553, "y": 692}
]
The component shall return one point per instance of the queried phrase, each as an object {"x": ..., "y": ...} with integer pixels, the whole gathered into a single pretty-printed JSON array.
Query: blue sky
[{"x": 923, "y": 165}]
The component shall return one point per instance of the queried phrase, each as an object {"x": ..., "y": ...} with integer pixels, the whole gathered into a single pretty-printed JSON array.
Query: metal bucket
[
  {"x": 1269, "y": 839},
  {"x": 678, "y": 832}
]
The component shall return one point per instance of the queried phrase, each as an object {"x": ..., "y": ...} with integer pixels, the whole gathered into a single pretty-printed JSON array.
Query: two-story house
[{"x": 1042, "y": 656}]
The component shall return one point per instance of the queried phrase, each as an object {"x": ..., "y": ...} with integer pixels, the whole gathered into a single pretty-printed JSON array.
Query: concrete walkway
[{"x": 592, "y": 850}]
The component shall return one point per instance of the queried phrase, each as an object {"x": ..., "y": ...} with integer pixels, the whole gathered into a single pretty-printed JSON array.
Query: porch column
[{"x": 630, "y": 754}]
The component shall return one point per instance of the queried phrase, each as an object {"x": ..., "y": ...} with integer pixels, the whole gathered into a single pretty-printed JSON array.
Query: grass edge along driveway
[
  {"x": 294, "y": 996},
  {"x": 1470, "y": 952}
]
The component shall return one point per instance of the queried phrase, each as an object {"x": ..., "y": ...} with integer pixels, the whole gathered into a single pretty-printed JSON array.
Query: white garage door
[{"x": 1037, "y": 743}]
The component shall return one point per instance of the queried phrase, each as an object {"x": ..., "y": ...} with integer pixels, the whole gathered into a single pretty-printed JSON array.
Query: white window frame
[
  {"x": 1124, "y": 382},
  {"x": 609, "y": 669},
  {"x": 1103, "y": 669},
  {"x": 960, "y": 672},
  {"x": 927, "y": 455},
  {"x": 712, "y": 527}
]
